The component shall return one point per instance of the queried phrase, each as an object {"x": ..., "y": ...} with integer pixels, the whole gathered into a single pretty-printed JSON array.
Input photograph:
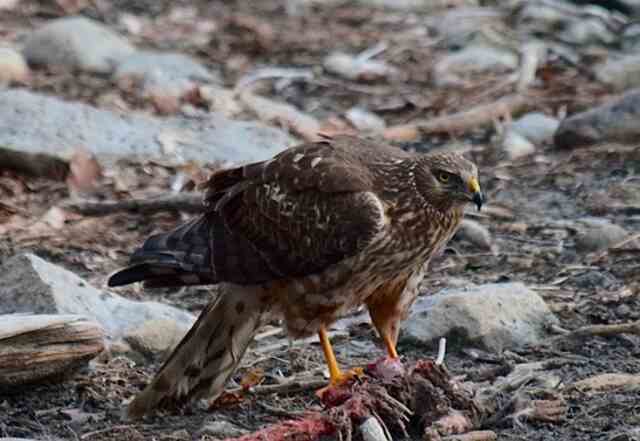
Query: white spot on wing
[
  {"x": 315, "y": 161},
  {"x": 298, "y": 157}
]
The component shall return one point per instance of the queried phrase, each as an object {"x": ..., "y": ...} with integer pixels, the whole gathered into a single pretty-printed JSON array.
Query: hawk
[{"x": 307, "y": 236}]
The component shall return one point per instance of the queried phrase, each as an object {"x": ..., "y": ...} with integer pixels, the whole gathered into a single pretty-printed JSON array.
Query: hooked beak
[{"x": 477, "y": 196}]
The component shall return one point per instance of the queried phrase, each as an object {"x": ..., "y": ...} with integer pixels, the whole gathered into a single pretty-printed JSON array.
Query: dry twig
[
  {"x": 479, "y": 116},
  {"x": 187, "y": 202},
  {"x": 599, "y": 331},
  {"x": 37, "y": 165}
]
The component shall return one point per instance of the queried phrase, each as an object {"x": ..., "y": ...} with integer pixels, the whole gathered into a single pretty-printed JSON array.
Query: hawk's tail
[
  {"x": 208, "y": 355},
  {"x": 177, "y": 258}
]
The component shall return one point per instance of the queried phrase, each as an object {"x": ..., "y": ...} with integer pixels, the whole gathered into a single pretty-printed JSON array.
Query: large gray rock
[
  {"x": 494, "y": 317},
  {"x": 36, "y": 123},
  {"x": 617, "y": 121},
  {"x": 31, "y": 284},
  {"x": 76, "y": 43}
]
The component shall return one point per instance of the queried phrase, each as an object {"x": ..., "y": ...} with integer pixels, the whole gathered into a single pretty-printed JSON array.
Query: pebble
[
  {"x": 13, "y": 67},
  {"x": 454, "y": 68},
  {"x": 170, "y": 73},
  {"x": 536, "y": 127},
  {"x": 515, "y": 145}
]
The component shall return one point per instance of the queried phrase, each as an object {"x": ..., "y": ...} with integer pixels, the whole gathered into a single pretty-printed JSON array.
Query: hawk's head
[{"x": 448, "y": 179}]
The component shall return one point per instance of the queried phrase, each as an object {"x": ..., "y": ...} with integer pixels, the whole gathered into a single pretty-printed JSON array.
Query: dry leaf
[{"x": 84, "y": 172}]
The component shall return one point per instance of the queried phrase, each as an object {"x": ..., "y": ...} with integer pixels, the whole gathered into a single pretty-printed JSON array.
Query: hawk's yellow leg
[
  {"x": 336, "y": 376},
  {"x": 390, "y": 345}
]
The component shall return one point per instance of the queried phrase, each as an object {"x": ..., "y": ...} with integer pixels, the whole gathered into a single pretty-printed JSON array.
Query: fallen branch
[
  {"x": 479, "y": 116},
  {"x": 598, "y": 331},
  {"x": 187, "y": 202},
  {"x": 38, "y": 165},
  {"x": 295, "y": 385},
  {"x": 38, "y": 347}
]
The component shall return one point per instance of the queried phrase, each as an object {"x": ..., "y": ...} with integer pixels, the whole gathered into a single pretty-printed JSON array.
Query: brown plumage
[{"x": 318, "y": 230}]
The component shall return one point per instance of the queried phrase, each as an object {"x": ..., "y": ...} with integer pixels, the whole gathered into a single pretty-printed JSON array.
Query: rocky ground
[{"x": 106, "y": 102}]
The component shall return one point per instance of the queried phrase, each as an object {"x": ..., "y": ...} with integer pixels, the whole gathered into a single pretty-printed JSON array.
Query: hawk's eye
[{"x": 443, "y": 177}]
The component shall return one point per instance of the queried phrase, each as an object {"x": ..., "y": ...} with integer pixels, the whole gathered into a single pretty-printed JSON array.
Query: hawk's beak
[{"x": 474, "y": 188}]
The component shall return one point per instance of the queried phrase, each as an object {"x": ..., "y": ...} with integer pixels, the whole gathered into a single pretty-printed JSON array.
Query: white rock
[
  {"x": 222, "y": 429},
  {"x": 536, "y": 127},
  {"x": 76, "y": 43},
  {"x": 39, "y": 124},
  {"x": 364, "y": 120},
  {"x": 13, "y": 67},
  {"x": 31, "y": 284},
  {"x": 493, "y": 317},
  {"x": 516, "y": 145}
]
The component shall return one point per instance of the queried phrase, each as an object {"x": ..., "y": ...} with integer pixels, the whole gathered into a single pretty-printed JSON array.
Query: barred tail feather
[
  {"x": 208, "y": 355},
  {"x": 178, "y": 258}
]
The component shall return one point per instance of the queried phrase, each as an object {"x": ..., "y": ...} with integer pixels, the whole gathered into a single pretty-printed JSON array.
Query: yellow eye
[{"x": 443, "y": 177}]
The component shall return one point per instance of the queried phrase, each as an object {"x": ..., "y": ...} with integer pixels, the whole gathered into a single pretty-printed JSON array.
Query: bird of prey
[{"x": 305, "y": 237}]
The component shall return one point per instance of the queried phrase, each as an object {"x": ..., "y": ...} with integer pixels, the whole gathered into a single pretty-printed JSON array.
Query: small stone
[
  {"x": 221, "y": 100},
  {"x": 536, "y": 127},
  {"x": 598, "y": 234},
  {"x": 155, "y": 337},
  {"x": 477, "y": 234},
  {"x": 76, "y": 43},
  {"x": 162, "y": 73},
  {"x": 455, "y": 68},
  {"x": 13, "y": 67},
  {"x": 365, "y": 120},
  {"x": 611, "y": 122},
  {"x": 620, "y": 72},
  {"x": 222, "y": 429},
  {"x": 493, "y": 317},
  {"x": 516, "y": 146}
]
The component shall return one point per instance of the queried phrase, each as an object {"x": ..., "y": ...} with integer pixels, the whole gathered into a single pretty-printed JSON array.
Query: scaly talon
[{"x": 337, "y": 377}]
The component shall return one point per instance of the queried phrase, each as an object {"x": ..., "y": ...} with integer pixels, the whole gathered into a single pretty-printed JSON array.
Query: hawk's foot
[{"x": 338, "y": 385}]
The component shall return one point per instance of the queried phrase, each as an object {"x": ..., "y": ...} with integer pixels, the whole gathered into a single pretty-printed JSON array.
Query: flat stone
[
  {"x": 76, "y": 43},
  {"x": 31, "y": 284},
  {"x": 493, "y": 317},
  {"x": 536, "y": 127},
  {"x": 40, "y": 124},
  {"x": 617, "y": 121}
]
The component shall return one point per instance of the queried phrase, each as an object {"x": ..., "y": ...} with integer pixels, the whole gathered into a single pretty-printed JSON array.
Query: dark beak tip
[{"x": 479, "y": 199}]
